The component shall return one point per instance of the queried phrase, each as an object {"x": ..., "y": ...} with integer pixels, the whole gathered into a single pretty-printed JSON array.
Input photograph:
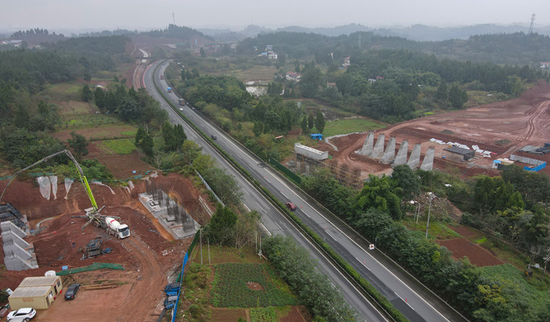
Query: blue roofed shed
[{"x": 317, "y": 136}]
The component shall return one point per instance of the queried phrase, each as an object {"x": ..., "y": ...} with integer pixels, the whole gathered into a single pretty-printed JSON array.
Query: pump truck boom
[{"x": 112, "y": 226}]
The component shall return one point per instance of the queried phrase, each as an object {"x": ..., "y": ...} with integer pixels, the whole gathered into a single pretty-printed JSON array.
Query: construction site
[
  {"x": 122, "y": 276},
  {"x": 466, "y": 142}
]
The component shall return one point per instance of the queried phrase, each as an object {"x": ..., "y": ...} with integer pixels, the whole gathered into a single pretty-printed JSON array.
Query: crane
[{"x": 91, "y": 214}]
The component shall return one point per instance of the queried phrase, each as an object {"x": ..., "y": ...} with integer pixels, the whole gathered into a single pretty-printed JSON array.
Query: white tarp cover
[
  {"x": 45, "y": 186},
  {"x": 68, "y": 184},
  {"x": 102, "y": 184},
  {"x": 131, "y": 185},
  {"x": 53, "y": 180}
]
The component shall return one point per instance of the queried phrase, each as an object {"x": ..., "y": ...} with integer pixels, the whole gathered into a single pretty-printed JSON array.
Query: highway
[{"x": 274, "y": 221}]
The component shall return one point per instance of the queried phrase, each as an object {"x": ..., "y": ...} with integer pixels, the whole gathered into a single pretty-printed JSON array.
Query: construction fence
[
  {"x": 93, "y": 267},
  {"x": 180, "y": 276},
  {"x": 293, "y": 176}
]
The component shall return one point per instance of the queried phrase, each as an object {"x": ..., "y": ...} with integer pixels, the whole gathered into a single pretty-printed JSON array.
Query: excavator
[{"x": 109, "y": 223}]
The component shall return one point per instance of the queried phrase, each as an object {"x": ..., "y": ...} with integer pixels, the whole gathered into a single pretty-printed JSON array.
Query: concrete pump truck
[{"x": 109, "y": 223}]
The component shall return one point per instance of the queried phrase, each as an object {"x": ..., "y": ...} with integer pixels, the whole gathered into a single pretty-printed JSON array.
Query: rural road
[{"x": 270, "y": 216}]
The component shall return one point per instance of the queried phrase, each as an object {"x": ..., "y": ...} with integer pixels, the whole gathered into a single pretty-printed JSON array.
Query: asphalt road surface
[{"x": 271, "y": 218}]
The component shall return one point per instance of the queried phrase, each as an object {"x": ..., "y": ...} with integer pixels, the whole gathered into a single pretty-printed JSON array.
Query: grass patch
[
  {"x": 438, "y": 229},
  {"x": 429, "y": 113},
  {"x": 254, "y": 73},
  {"x": 129, "y": 133},
  {"x": 82, "y": 121},
  {"x": 481, "y": 240},
  {"x": 532, "y": 292},
  {"x": 65, "y": 88},
  {"x": 122, "y": 146},
  {"x": 196, "y": 285},
  {"x": 220, "y": 255},
  {"x": 349, "y": 126},
  {"x": 506, "y": 253},
  {"x": 447, "y": 132},
  {"x": 264, "y": 314},
  {"x": 230, "y": 287}
]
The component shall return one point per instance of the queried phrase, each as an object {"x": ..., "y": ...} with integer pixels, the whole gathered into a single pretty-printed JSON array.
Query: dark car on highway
[
  {"x": 71, "y": 291},
  {"x": 291, "y": 206}
]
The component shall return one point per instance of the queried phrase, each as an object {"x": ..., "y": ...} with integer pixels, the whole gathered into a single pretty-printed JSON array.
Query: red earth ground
[
  {"x": 502, "y": 127},
  {"x": 477, "y": 255},
  {"x": 148, "y": 256}
]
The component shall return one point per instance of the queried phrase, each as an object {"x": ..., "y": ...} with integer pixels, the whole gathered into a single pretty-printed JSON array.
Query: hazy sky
[{"x": 142, "y": 14}]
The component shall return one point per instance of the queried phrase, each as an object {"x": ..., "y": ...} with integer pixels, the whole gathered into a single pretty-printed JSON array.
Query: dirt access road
[
  {"x": 135, "y": 299},
  {"x": 501, "y": 127}
]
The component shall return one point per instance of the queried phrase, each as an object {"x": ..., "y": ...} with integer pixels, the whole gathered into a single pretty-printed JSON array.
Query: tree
[
  {"x": 258, "y": 128},
  {"x": 170, "y": 142},
  {"x": 140, "y": 135},
  {"x": 407, "y": 180},
  {"x": 310, "y": 121},
  {"x": 203, "y": 54},
  {"x": 320, "y": 121},
  {"x": 310, "y": 81},
  {"x": 180, "y": 136},
  {"x": 220, "y": 228},
  {"x": 380, "y": 194},
  {"x": 190, "y": 150},
  {"x": 87, "y": 94},
  {"x": 147, "y": 145},
  {"x": 78, "y": 144},
  {"x": 442, "y": 91},
  {"x": 305, "y": 129},
  {"x": 297, "y": 66},
  {"x": 457, "y": 96}
]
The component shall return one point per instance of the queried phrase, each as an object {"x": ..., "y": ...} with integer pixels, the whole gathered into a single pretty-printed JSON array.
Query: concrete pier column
[
  {"x": 368, "y": 145},
  {"x": 389, "y": 153},
  {"x": 414, "y": 159},
  {"x": 378, "y": 147},
  {"x": 428, "y": 163},
  {"x": 401, "y": 157}
]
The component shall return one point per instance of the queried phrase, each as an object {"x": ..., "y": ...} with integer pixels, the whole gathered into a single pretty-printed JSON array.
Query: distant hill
[{"x": 416, "y": 32}]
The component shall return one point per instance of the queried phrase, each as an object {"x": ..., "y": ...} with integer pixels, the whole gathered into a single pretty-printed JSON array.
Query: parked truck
[{"x": 169, "y": 90}]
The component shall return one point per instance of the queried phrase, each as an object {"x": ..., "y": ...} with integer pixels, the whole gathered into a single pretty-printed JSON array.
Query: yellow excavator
[{"x": 109, "y": 223}]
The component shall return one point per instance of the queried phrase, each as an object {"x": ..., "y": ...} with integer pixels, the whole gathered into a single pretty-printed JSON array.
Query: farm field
[
  {"x": 236, "y": 283},
  {"x": 349, "y": 125}
]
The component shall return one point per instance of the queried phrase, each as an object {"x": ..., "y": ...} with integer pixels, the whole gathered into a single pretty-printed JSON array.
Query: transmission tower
[
  {"x": 532, "y": 22},
  {"x": 174, "y": 19}
]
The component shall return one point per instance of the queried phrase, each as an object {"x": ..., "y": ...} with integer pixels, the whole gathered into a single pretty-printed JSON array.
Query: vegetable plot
[{"x": 248, "y": 285}]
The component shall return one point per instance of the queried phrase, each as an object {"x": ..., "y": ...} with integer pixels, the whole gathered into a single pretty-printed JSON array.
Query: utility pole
[
  {"x": 532, "y": 23},
  {"x": 173, "y": 19},
  {"x": 431, "y": 196}
]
